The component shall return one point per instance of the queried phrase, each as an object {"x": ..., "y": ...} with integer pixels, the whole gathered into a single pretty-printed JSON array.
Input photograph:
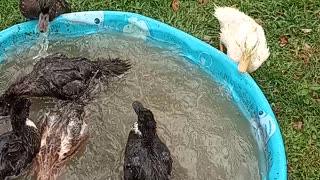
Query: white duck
[{"x": 243, "y": 37}]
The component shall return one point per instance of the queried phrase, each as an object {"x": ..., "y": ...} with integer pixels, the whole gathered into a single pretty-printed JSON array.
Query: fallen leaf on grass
[
  {"x": 289, "y": 167},
  {"x": 283, "y": 41},
  {"x": 259, "y": 21},
  {"x": 203, "y": 1},
  {"x": 207, "y": 38},
  {"x": 175, "y": 5},
  {"x": 297, "y": 125},
  {"x": 276, "y": 110},
  {"x": 306, "y": 30}
]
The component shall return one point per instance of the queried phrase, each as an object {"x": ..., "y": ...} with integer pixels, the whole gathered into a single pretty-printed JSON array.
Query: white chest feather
[
  {"x": 30, "y": 123},
  {"x": 135, "y": 129}
]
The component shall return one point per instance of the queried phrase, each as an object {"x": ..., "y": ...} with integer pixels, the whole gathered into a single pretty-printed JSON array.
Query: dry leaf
[
  {"x": 276, "y": 110},
  {"x": 306, "y": 30},
  {"x": 289, "y": 167},
  {"x": 259, "y": 21},
  {"x": 297, "y": 125},
  {"x": 207, "y": 38},
  {"x": 203, "y": 1},
  {"x": 175, "y": 5},
  {"x": 283, "y": 41}
]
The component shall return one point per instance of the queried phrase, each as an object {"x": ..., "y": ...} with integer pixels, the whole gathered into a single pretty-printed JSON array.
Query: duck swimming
[
  {"x": 146, "y": 156},
  {"x": 63, "y": 133},
  {"x": 61, "y": 77},
  {"x": 44, "y": 10},
  {"x": 19, "y": 146}
]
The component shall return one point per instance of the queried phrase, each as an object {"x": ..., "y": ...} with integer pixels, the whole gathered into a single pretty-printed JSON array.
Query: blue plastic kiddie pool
[{"x": 243, "y": 89}]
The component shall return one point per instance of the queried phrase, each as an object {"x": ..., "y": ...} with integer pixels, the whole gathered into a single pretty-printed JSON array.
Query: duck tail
[{"x": 112, "y": 67}]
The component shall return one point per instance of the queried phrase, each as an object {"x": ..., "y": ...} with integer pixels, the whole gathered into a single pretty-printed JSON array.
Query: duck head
[
  {"x": 44, "y": 17},
  {"x": 5, "y": 106},
  {"x": 146, "y": 125},
  {"x": 248, "y": 49}
]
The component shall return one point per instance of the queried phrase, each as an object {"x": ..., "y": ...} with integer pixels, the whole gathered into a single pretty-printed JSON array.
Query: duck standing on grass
[
  {"x": 146, "y": 156},
  {"x": 44, "y": 10},
  {"x": 61, "y": 77},
  {"x": 18, "y": 147},
  {"x": 243, "y": 37}
]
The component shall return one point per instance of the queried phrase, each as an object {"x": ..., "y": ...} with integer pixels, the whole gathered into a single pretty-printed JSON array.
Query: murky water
[{"x": 204, "y": 130}]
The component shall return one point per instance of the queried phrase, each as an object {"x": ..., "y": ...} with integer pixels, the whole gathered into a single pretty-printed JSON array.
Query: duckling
[
  {"x": 244, "y": 39},
  {"x": 18, "y": 147},
  {"x": 61, "y": 77},
  {"x": 146, "y": 156},
  {"x": 44, "y": 10}
]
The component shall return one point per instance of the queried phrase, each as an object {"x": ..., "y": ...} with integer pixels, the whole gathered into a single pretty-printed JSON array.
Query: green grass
[{"x": 290, "y": 78}]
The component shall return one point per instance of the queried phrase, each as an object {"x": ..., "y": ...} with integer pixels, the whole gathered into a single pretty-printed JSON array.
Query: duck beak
[
  {"x": 43, "y": 23},
  {"x": 137, "y": 106},
  {"x": 244, "y": 62}
]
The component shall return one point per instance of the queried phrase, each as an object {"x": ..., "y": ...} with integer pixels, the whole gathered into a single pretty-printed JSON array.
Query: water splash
[{"x": 43, "y": 42}]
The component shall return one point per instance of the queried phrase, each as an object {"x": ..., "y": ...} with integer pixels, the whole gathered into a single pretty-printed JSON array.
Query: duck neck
[
  {"x": 148, "y": 135},
  {"x": 18, "y": 123},
  {"x": 6, "y": 104},
  {"x": 18, "y": 118}
]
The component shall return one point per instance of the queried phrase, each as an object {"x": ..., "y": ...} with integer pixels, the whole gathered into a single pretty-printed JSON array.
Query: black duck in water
[
  {"x": 146, "y": 156},
  {"x": 18, "y": 147}
]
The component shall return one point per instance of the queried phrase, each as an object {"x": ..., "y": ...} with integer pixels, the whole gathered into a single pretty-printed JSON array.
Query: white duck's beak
[{"x": 244, "y": 62}]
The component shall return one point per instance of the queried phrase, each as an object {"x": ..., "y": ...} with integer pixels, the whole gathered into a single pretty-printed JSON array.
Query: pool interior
[{"x": 165, "y": 60}]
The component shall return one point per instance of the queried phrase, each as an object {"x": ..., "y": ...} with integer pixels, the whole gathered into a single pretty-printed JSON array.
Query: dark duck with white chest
[
  {"x": 44, "y": 10},
  {"x": 61, "y": 77},
  {"x": 18, "y": 147},
  {"x": 146, "y": 156}
]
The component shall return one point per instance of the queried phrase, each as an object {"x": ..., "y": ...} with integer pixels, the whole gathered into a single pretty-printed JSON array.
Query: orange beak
[{"x": 244, "y": 62}]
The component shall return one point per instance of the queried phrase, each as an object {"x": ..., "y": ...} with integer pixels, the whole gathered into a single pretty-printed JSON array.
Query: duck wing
[
  {"x": 134, "y": 156},
  {"x": 164, "y": 155}
]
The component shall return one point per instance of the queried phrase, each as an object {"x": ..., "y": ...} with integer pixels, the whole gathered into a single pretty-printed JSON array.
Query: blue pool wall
[{"x": 243, "y": 89}]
